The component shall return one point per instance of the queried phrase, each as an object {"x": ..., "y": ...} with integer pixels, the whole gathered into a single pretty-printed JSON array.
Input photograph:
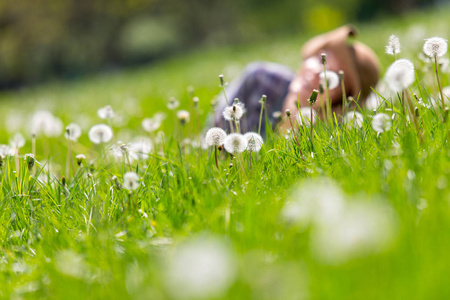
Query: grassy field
[{"x": 357, "y": 215}]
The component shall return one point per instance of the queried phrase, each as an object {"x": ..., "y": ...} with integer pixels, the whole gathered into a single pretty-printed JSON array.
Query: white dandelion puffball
[
  {"x": 381, "y": 122},
  {"x": 100, "y": 133},
  {"x": 354, "y": 118},
  {"x": 173, "y": 103},
  {"x": 393, "y": 46},
  {"x": 316, "y": 202},
  {"x": 304, "y": 116},
  {"x": 130, "y": 181},
  {"x": 151, "y": 124},
  {"x": 400, "y": 75},
  {"x": 45, "y": 122},
  {"x": 235, "y": 143},
  {"x": 17, "y": 141},
  {"x": 362, "y": 228},
  {"x": 183, "y": 116},
  {"x": 233, "y": 112},
  {"x": 373, "y": 101},
  {"x": 215, "y": 136},
  {"x": 332, "y": 79},
  {"x": 140, "y": 148},
  {"x": 6, "y": 150},
  {"x": 73, "y": 132},
  {"x": 106, "y": 112},
  {"x": 202, "y": 268},
  {"x": 435, "y": 47},
  {"x": 254, "y": 141}
]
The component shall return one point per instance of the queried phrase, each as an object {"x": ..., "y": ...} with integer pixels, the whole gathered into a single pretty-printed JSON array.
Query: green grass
[{"x": 88, "y": 239}]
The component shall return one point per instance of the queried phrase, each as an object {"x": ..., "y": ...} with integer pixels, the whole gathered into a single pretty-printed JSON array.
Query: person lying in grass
[{"x": 349, "y": 68}]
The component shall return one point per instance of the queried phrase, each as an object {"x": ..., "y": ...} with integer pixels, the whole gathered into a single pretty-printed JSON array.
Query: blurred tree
[{"x": 40, "y": 39}]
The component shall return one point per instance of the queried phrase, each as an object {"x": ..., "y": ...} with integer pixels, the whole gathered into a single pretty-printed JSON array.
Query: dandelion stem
[
  {"x": 311, "y": 120},
  {"x": 231, "y": 126},
  {"x": 327, "y": 96},
  {"x": 295, "y": 138},
  {"x": 260, "y": 117},
  {"x": 436, "y": 67},
  {"x": 344, "y": 92},
  {"x": 215, "y": 157},
  {"x": 33, "y": 144}
]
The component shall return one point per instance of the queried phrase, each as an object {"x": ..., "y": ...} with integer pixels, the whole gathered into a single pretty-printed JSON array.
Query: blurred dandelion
[
  {"x": 201, "y": 268},
  {"x": 70, "y": 263},
  {"x": 314, "y": 202},
  {"x": 131, "y": 181},
  {"x": 332, "y": 79},
  {"x": 183, "y": 116},
  {"x": 254, "y": 141},
  {"x": 381, "y": 122},
  {"x": 173, "y": 103},
  {"x": 393, "y": 46},
  {"x": 73, "y": 132},
  {"x": 435, "y": 47},
  {"x": 106, "y": 112},
  {"x": 45, "y": 122},
  {"x": 304, "y": 116},
  {"x": 400, "y": 75},
  {"x": 361, "y": 229},
  {"x": 354, "y": 118},
  {"x": 140, "y": 148},
  {"x": 235, "y": 143},
  {"x": 17, "y": 141},
  {"x": 100, "y": 133}
]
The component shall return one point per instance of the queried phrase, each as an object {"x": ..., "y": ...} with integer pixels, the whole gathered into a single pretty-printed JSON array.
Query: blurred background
[{"x": 47, "y": 39}]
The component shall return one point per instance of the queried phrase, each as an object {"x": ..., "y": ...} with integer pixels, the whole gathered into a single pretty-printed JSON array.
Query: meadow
[{"x": 361, "y": 212}]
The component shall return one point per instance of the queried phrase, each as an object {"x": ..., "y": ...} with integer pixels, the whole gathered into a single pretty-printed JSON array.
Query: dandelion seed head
[
  {"x": 130, "y": 181},
  {"x": 140, "y": 148},
  {"x": 17, "y": 141},
  {"x": 393, "y": 46},
  {"x": 435, "y": 47},
  {"x": 73, "y": 132},
  {"x": 70, "y": 263},
  {"x": 254, "y": 141},
  {"x": 233, "y": 112},
  {"x": 215, "y": 137},
  {"x": 354, "y": 118},
  {"x": 277, "y": 115},
  {"x": 100, "y": 133},
  {"x": 153, "y": 124},
  {"x": 332, "y": 79},
  {"x": 381, "y": 122},
  {"x": 314, "y": 202},
  {"x": 235, "y": 143},
  {"x": 201, "y": 268},
  {"x": 173, "y": 103},
  {"x": 150, "y": 125},
  {"x": 106, "y": 112},
  {"x": 45, "y": 122},
  {"x": 183, "y": 116},
  {"x": 400, "y": 75},
  {"x": 361, "y": 229},
  {"x": 304, "y": 116},
  {"x": 373, "y": 101},
  {"x": 6, "y": 150}
]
